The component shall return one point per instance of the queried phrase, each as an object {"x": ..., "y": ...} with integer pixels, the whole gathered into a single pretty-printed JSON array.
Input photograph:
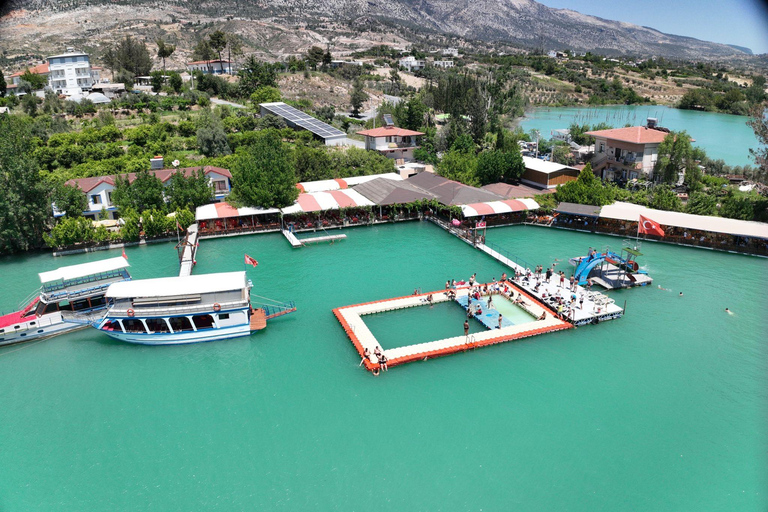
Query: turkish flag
[
  {"x": 648, "y": 227},
  {"x": 250, "y": 261}
]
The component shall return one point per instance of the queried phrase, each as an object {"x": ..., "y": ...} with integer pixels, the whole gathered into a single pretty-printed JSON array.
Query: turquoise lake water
[
  {"x": 722, "y": 136},
  {"x": 662, "y": 410}
]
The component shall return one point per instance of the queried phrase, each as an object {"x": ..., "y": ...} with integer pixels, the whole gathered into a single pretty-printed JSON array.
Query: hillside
[{"x": 286, "y": 24}]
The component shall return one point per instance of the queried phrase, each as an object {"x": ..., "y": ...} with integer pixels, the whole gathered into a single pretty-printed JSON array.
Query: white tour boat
[
  {"x": 67, "y": 295},
  {"x": 187, "y": 309}
]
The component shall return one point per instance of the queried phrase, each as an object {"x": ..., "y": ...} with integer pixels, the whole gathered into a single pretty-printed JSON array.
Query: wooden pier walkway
[
  {"x": 189, "y": 245},
  {"x": 362, "y": 338},
  {"x": 300, "y": 242}
]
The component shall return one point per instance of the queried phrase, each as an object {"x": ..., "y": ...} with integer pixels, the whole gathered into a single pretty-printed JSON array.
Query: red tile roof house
[
  {"x": 391, "y": 141},
  {"x": 627, "y": 153},
  {"x": 99, "y": 189}
]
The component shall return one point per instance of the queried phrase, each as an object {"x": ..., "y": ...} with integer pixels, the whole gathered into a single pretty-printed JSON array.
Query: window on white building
[{"x": 96, "y": 198}]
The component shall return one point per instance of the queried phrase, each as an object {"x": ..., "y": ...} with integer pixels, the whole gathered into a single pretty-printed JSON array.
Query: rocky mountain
[{"x": 523, "y": 22}]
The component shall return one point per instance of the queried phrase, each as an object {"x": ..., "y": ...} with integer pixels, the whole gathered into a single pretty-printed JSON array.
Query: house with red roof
[
  {"x": 391, "y": 141},
  {"x": 98, "y": 189},
  {"x": 215, "y": 66},
  {"x": 627, "y": 153}
]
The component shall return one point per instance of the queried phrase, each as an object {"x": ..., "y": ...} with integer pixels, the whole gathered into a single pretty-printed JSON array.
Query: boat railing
[
  {"x": 75, "y": 294},
  {"x": 121, "y": 311},
  {"x": 273, "y": 310},
  {"x": 28, "y": 300}
]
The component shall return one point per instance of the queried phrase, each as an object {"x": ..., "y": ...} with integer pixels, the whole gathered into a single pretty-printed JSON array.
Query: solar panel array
[
  {"x": 388, "y": 120},
  {"x": 303, "y": 120}
]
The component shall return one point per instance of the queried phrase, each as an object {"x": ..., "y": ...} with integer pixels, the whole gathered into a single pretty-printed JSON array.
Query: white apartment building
[
  {"x": 445, "y": 64},
  {"x": 69, "y": 72},
  {"x": 411, "y": 63}
]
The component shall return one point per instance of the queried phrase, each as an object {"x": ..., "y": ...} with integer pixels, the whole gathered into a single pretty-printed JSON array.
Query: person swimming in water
[{"x": 728, "y": 311}]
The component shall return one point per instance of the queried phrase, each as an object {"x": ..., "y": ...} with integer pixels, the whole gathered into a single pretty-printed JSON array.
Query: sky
[{"x": 739, "y": 22}]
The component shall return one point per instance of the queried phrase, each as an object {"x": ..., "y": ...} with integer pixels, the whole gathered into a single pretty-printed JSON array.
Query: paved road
[{"x": 217, "y": 101}]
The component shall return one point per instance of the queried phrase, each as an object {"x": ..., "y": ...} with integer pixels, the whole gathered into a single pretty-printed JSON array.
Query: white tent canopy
[
  {"x": 343, "y": 183},
  {"x": 83, "y": 269},
  {"x": 172, "y": 286},
  {"x": 632, "y": 212},
  {"x": 494, "y": 207}
]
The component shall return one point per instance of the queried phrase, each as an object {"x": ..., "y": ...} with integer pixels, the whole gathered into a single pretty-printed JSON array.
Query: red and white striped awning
[
  {"x": 226, "y": 211},
  {"x": 494, "y": 207},
  {"x": 330, "y": 200},
  {"x": 342, "y": 184}
]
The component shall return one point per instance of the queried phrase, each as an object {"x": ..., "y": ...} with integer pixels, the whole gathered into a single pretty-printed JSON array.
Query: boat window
[
  {"x": 167, "y": 301},
  {"x": 39, "y": 330},
  {"x": 203, "y": 321},
  {"x": 224, "y": 316},
  {"x": 133, "y": 325},
  {"x": 32, "y": 323},
  {"x": 98, "y": 301},
  {"x": 157, "y": 325},
  {"x": 112, "y": 325},
  {"x": 2, "y": 331},
  {"x": 180, "y": 323},
  {"x": 63, "y": 306}
]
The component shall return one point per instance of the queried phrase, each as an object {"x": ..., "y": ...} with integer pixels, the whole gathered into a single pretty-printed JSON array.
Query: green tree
[
  {"x": 70, "y": 231},
  {"x": 184, "y": 217},
  {"x": 759, "y": 123},
  {"x": 25, "y": 206},
  {"x": 515, "y": 164},
  {"x": 664, "y": 198},
  {"x": 491, "y": 166},
  {"x": 587, "y": 189},
  {"x": 155, "y": 223},
  {"x": 265, "y": 94},
  {"x": 737, "y": 205},
  {"x": 327, "y": 58},
  {"x": 701, "y": 203},
  {"x": 131, "y": 230},
  {"x": 188, "y": 191},
  {"x": 255, "y": 74},
  {"x": 218, "y": 41},
  {"x": 357, "y": 97},
  {"x": 459, "y": 166},
  {"x": 212, "y": 141},
  {"x": 70, "y": 199},
  {"x": 144, "y": 193},
  {"x": 3, "y": 86},
  {"x": 129, "y": 55},
  {"x": 262, "y": 174},
  {"x": 35, "y": 80},
  {"x": 29, "y": 104},
  {"x": 157, "y": 79},
  {"x": 164, "y": 50},
  {"x": 175, "y": 81},
  {"x": 203, "y": 51},
  {"x": 314, "y": 56},
  {"x": 415, "y": 112},
  {"x": 675, "y": 155},
  {"x": 311, "y": 164}
]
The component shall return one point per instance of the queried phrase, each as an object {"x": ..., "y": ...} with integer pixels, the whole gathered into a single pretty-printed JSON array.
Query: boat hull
[{"x": 180, "y": 338}]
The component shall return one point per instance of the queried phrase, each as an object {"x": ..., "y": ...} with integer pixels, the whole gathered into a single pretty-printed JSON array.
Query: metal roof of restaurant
[
  {"x": 385, "y": 192},
  {"x": 586, "y": 210},
  {"x": 342, "y": 183},
  {"x": 226, "y": 211},
  {"x": 389, "y": 131},
  {"x": 450, "y": 192},
  {"x": 516, "y": 191},
  {"x": 302, "y": 120},
  {"x": 631, "y": 212},
  {"x": 495, "y": 207},
  {"x": 83, "y": 269},
  {"x": 173, "y": 286}
]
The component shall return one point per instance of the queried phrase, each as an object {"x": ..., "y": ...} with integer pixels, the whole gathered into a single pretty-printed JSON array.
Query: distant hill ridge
[{"x": 524, "y": 22}]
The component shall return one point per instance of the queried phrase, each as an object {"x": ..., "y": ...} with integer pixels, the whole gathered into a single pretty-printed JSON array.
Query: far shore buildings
[
  {"x": 214, "y": 67},
  {"x": 98, "y": 190},
  {"x": 66, "y": 73},
  {"x": 411, "y": 63},
  {"x": 627, "y": 153},
  {"x": 391, "y": 141}
]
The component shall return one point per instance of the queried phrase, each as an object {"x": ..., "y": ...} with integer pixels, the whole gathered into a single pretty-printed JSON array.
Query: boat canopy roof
[
  {"x": 83, "y": 269},
  {"x": 176, "y": 286}
]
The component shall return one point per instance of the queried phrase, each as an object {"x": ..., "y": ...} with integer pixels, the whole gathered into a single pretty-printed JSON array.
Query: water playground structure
[{"x": 611, "y": 270}]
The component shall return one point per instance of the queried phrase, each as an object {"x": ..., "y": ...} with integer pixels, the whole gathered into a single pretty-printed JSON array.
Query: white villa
[
  {"x": 216, "y": 67},
  {"x": 411, "y": 63},
  {"x": 98, "y": 189},
  {"x": 391, "y": 141},
  {"x": 69, "y": 72}
]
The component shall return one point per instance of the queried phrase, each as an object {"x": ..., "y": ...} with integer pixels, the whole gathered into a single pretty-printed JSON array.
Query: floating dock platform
[
  {"x": 300, "y": 242},
  {"x": 351, "y": 320}
]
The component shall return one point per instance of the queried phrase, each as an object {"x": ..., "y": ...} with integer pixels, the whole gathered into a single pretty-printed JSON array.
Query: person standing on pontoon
[{"x": 466, "y": 327}]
